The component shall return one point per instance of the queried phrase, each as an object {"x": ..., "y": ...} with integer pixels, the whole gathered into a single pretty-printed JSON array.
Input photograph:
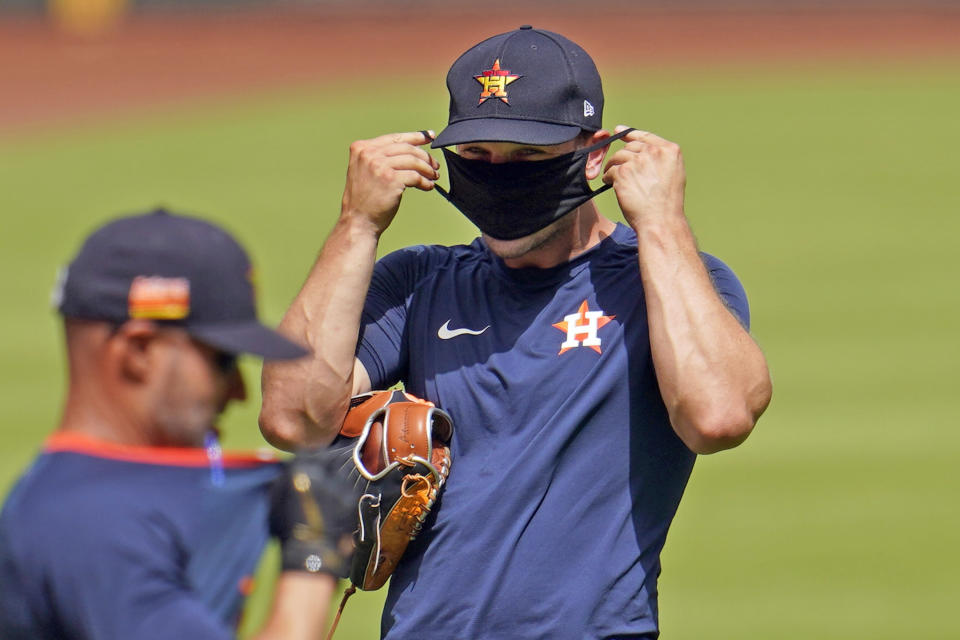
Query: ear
[
  {"x": 595, "y": 159},
  {"x": 131, "y": 349},
  {"x": 236, "y": 387}
]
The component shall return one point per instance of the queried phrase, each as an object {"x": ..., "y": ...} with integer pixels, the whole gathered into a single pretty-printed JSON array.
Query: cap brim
[
  {"x": 505, "y": 130},
  {"x": 248, "y": 337}
]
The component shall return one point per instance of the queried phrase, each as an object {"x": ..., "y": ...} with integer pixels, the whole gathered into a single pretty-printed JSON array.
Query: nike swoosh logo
[{"x": 445, "y": 332}]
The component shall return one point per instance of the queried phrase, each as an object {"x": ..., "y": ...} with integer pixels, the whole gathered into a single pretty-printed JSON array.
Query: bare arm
[
  {"x": 300, "y": 605},
  {"x": 712, "y": 375},
  {"x": 304, "y": 401}
]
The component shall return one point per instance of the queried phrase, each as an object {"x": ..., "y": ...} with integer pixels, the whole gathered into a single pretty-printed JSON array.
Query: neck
[
  {"x": 91, "y": 414},
  {"x": 562, "y": 241},
  {"x": 102, "y": 402}
]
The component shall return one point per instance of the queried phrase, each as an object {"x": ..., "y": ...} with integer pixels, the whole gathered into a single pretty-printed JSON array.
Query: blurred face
[{"x": 192, "y": 388}]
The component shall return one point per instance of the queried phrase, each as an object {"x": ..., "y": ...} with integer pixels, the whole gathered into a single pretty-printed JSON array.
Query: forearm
[
  {"x": 300, "y": 605},
  {"x": 712, "y": 375},
  {"x": 304, "y": 401}
]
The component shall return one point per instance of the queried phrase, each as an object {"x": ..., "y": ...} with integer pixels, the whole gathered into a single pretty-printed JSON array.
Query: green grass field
[{"x": 831, "y": 192}]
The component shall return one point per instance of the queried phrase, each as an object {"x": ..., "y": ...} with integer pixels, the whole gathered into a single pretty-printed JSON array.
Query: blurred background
[{"x": 821, "y": 141}]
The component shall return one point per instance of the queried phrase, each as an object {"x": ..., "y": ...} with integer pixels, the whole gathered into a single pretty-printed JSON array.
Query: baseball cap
[
  {"x": 173, "y": 269},
  {"x": 528, "y": 86}
]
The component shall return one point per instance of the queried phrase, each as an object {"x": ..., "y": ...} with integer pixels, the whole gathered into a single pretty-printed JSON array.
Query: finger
[
  {"x": 609, "y": 174},
  {"x": 430, "y": 136},
  {"x": 416, "y": 138},
  {"x": 412, "y": 163},
  {"x": 642, "y": 136},
  {"x": 415, "y": 180},
  {"x": 623, "y": 156},
  {"x": 401, "y": 149},
  {"x": 636, "y": 147}
]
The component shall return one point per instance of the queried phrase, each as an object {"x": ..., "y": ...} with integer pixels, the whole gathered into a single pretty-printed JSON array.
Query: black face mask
[{"x": 514, "y": 199}]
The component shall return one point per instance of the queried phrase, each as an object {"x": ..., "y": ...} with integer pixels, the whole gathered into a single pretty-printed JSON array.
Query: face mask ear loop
[
  {"x": 601, "y": 145},
  {"x": 443, "y": 192}
]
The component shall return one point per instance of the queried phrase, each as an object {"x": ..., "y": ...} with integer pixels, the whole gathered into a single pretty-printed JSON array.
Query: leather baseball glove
[{"x": 396, "y": 448}]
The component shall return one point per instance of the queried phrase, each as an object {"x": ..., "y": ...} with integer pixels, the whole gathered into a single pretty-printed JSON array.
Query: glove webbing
[{"x": 399, "y": 526}]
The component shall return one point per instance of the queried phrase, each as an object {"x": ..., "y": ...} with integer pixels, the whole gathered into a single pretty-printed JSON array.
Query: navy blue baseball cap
[
  {"x": 175, "y": 270},
  {"x": 527, "y": 86}
]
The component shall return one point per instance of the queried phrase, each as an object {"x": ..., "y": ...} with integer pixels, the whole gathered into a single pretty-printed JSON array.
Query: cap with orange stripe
[{"x": 172, "y": 269}]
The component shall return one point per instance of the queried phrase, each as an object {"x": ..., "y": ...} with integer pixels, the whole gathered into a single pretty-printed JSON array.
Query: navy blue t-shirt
[
  {"x": 109, "y": 542},
  {"x": 566, "y": 471}
]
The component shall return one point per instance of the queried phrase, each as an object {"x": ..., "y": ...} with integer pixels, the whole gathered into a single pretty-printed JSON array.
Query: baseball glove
[
  {"x": 396, "y": 449},
  {"x": 313, "y": 514}
]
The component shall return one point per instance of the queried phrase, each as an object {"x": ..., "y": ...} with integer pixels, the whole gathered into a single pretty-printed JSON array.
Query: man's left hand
[{"x": 648, "y": 177}]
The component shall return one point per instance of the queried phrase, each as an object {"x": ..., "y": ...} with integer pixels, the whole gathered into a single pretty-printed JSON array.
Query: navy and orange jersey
[
  {"x": 566, "y": 471},
  {"x": 105, "y": 541}
]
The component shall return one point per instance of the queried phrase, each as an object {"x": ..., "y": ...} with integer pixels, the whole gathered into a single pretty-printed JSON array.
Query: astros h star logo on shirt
[{"x": 582, "y": 328}]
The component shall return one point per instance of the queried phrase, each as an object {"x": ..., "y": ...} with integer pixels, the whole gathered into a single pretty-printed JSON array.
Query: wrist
[
  {"x": 357, "y": 224},
  {"x": 663, "y": 234},
  {"x": 665, "y": 215},
  {"x": 299, "y": 607}
]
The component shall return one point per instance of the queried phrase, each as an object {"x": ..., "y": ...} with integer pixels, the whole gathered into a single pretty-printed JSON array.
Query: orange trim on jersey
[{"x": 72, "y": 441}]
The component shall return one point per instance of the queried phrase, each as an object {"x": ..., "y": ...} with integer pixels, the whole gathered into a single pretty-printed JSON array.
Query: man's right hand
[
  {"x": 379, "y": 171},
  {"x": 313, "y": 512}
]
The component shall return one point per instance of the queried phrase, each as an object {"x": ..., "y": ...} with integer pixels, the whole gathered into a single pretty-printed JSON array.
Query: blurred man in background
[{"x": 132, "y": 523}]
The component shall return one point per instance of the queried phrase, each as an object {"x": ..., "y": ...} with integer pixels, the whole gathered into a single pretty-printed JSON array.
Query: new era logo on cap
[{"x": 536, "y": 87}]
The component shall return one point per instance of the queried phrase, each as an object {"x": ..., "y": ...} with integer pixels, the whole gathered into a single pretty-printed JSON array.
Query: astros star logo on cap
[{"x": 495, "y": 81}]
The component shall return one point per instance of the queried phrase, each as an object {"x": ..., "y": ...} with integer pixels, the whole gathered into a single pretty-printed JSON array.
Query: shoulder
[
  {"x": 617, "y": 251},
  {"x": 425, "y": 256},
  {"x": 622, "y": 243},
  {"x": 720, "y": 272},
  {"x": 88, "y": 534},
  {"x": 69, "y": 495},
  {"x": 728, "y": 286},
  {"x": 72, "y": 516},
  {"x": 408, "y": 266}
]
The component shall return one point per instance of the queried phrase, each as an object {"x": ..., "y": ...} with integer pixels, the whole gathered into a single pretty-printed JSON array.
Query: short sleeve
[
  {"x": 382, "y": 346},
  {"x": 729, "y": 288}
]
